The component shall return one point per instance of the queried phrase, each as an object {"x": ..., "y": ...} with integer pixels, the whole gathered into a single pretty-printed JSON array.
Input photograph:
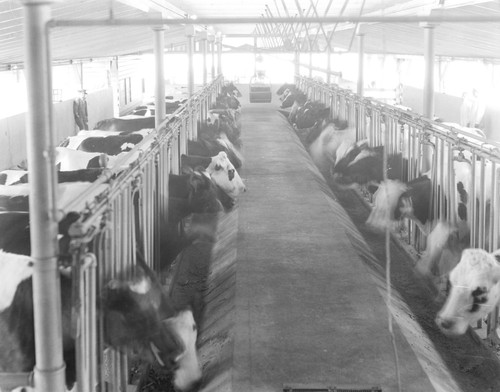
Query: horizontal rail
[{"x": 252, "y": 20}]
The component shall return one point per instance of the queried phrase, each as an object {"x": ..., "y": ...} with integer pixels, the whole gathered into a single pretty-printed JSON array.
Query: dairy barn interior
[{"x": 286, "y": 195}]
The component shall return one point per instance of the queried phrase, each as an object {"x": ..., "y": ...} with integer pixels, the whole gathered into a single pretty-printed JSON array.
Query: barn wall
[
  {"x": 447, "y": 107},
  {"x": 130, "y": 83},
  {"x": 13, "y": 129}
]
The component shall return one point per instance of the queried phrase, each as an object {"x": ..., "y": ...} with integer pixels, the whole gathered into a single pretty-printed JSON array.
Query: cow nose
[{"x": 444, "y": 324}]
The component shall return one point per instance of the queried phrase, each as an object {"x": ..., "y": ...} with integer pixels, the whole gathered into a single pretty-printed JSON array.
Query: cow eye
[
  {"x": 448, "y": 287},
  {"x": 218, "y": 167},
  {"x": 479, "y": 296}
]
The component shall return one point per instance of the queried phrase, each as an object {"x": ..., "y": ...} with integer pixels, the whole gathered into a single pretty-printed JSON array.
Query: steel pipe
[
  {"x": 190, "y": 49},
  {"x": 50, "y": 367},
  {"x": 159, "y": 47},
  {"x": 493, "y": 18},
  {"x": 212, "y": 51},
  {"x": 204, "y": 51},
  {"x": 428, "y": 97},
  {"x": 219, "y": 55},
  {"x": 361, "y": 65}
]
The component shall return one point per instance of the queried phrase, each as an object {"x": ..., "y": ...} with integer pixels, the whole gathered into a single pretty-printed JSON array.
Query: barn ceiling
[{"x": 452, "y": 39}]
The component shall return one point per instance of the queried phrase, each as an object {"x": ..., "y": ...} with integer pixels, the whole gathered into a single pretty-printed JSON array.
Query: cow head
[
  {"x": 224, "y": 175},
  {"x": 474, "y": 291},
  {"x": 202, "y": 194},
  {"x": 139, "y": 319},
  {"x": 310, "y": 114}
]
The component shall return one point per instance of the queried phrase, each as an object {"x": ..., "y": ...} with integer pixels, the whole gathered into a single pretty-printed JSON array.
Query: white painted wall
[
  {"x": 447, "y": 107},
  {"x": 13, "y": 129}
]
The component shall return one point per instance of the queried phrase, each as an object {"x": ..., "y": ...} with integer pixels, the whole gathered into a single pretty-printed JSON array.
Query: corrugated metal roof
[{"x": 451, "y": 39}]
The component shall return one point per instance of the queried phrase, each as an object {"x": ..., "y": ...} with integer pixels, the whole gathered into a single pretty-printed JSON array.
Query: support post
[
  {"x": 159, "y": 52},
  {"x": 190, "y": 48},
  {"x": 204, "y": 41},
  {"x": 328, "y": 64},
  {"x": 49, "y": 368},
  {"x": 114, "y": 83},
  {"x": 219, "y": 54},
  {"x": 361, "y": 59},
  {"x": 211, "y": 38},
  {"x": 428, "y": 97},
  {"x": 428, "y": 106}
]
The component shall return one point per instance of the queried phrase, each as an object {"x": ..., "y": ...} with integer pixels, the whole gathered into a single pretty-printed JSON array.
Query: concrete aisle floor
[{"x": 307, "y": 310}]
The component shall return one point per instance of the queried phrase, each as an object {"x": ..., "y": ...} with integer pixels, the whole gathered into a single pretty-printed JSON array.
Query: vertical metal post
[
  {"x": 361, "y": 66},
  {"x": 50, "y": 367},
  {"x": 219, "y": 54},
  {"x": 190, "y": 48},
  {"x": 328, "y": 64},
  {"x": 204, "y": 40},
  {"x": 159, "y": 48},
  {"x": 428, "y": 104},
  {"x": 212, "y": 50},
  {"x": 115, "y": 86},
  {"x": 428, "y": 97}
]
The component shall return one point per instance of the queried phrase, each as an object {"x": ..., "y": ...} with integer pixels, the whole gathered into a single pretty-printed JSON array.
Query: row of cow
[
  {"x": 138, "y": 312},
  {"x": 471, "y": 275}
]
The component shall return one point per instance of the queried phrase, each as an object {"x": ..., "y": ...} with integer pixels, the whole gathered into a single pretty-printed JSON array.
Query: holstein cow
[
  {"x": 189, "y": 193},
  {"x": 74, "y": 142},
  {"x": 125, "y": 125},
  {"x": 474, "y": 291},
  {"x": 283, "y": 88},
  {"x": 210, "y": 147},
  {"x": 363, "y": 165},
  {"x": 289, "y": 97},
  {"x": 230, "y": 88},
  {"x": 220, "y": 169},
  {"x": 395, "y": 200},
  {"x": 309, "y": 114},
  {"x": 16, "y": 198},
  {"x": 137, "y": 317},
  {"x": 15, "y": 233},
  {"x": 299, "y": 101},
  {"x": 326, "y": 141},
  {"x": 15, "y": 177},
  {"x": 68, "y": 159}
]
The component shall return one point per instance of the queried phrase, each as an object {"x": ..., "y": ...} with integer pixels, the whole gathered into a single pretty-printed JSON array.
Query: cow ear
[{"x": 496, "y": 255}]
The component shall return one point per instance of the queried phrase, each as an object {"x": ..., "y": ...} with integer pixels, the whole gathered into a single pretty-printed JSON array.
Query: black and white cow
[
  {"x": 68, "y": 159},
  {"x": 363, "y": 165},
  {"x": 126, "y": 125},
  {"x": 222, "y": 172},
  {"x": 16, "y": 197},
  {"x": 190, "y": 193},
  {"x": 15, "y": 177},
  {"x": 474, "y": 291},
  {"x": 329, "y": 142},
  {"x": 210, "y": 147},
  {"x": 395, "y": 200},
  {"x": 137, "y": 317}
]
